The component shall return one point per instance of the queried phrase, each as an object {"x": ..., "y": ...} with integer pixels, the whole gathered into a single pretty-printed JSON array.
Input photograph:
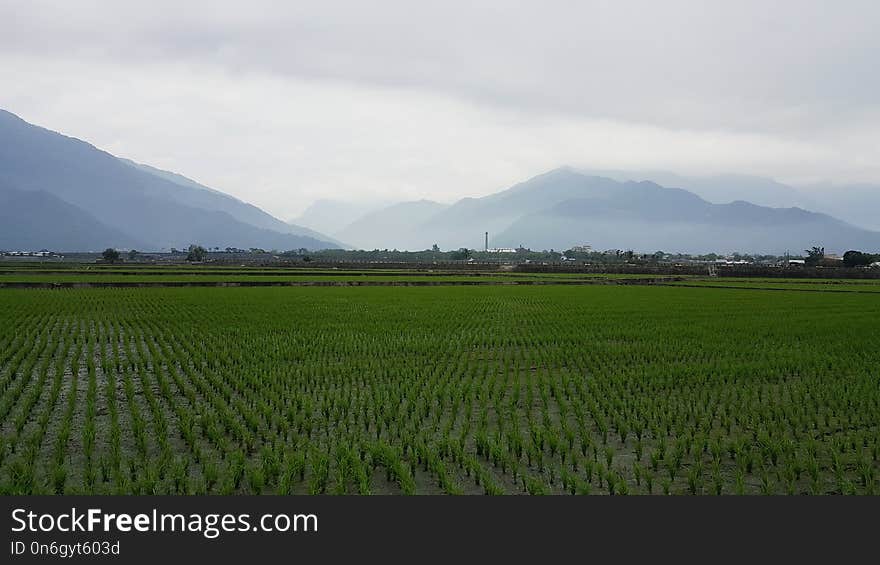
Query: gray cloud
[{"x": 785, "y": 88}]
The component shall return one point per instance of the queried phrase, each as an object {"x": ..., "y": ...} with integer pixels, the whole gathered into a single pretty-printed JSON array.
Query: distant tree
[
  {"x": 435, "y": 248},
  {"x": 461, "y": 255},
  {"x": 110, "y": 255},
  {"x": 857, "y": 259},
  {"x": 658, "y": 256},
  {"x": 133, "y": 254},
  {"x": 814, "y": 255},
  {"x": 307, "y": 259},
  {"x": 196, "y": 253}
]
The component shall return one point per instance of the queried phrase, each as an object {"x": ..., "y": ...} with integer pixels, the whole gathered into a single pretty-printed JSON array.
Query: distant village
[
  {"x": 42, "y": 253},
  {"x": 577, "y": 255}
]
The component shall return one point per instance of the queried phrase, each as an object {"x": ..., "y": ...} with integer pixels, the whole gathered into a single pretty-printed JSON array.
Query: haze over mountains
[
  {"x": 402, "y": 223},
  {"x": 567, "y": 207},
  {"x": 63, "y": 194},
  {"x": 92, "y": 200},
  {"x": 857, "y": 204},
  {"x": 330, "y": 216}
]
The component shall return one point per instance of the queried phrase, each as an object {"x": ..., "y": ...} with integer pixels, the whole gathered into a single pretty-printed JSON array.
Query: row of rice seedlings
[
  {"x": 59, "y": 463},
  {"x": 33, "y": 443}
]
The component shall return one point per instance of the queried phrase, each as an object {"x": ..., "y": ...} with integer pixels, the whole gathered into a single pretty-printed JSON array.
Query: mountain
[
  {"x": 31, "y": 220},
  {"x": 201, "y": 196},
  {"x": 856, "y": 203},
  {"x": 720, "y": 189},
  {"x": 566, "y": 207},
  {"x": 853, "y": 203},
  {"x": 644, "y": 216},
  {"x": 395, "y": 227},
  {"x": 330, "y": 216},
  {"x": 156, "y": 208}
]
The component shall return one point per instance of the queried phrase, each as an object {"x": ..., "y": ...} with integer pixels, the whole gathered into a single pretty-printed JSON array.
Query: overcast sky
[{"x": 286, "y": 102}]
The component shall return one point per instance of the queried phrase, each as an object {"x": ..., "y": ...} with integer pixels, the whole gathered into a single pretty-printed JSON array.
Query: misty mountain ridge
[
  {"x": 138, "y": 204},
  {"x": 31, "y": 220},
  {"x": 64, "y": 194},
  {"x": 401, "y": 223},
  {"x": 209, "y": 198},
  {"x": 329, "y": 216},
  {"x": 855, "y": 203},
  {"x": 565, "y": 207},
  {"x": 718, "y": 189}
]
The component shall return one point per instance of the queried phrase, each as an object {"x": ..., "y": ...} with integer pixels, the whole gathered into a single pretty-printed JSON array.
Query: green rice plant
[
  {"x": 656, "y": 458},
  {"x": 319, "y": 463},
  {"x": 569, "y": 481},
  {"x": 180, "y": 476},
  {"x": 649, "y": 482},
  {"x": 588, "y": 470},
  {"x": 19, "y": 479},
  {"x": 866, "y": 473},
  {"x": 767, "y": 484},
  {"x": 788, "y": 475},
  {"x": 256, "y": 478},
  {"x": 740, "y": 483},
  {"x": 584, "y": 488},
  {"x": 535, "y": 486},
  {"x": 211, "y": 474},
  {"x": 717, "y": 479},
  {"x": 695, "y": 477},
  {"x": 59, "y": 478}
]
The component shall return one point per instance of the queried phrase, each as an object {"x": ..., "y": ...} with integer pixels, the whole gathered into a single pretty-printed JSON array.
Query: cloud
[{"x": 281, "y": 103}]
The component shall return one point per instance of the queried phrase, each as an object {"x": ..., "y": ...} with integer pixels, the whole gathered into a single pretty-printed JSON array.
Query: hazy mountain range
[
  {"x": 399, "y": 225},
  {"x": 857, "y": 204},
  {"x": 63, "y": 194},
  {"x": 606, "y": 209},
  {"x": 330, "y": 216},
  {"x": 67, "y": 195}
]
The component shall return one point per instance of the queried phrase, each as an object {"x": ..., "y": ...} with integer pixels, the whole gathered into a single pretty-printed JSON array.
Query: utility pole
[{"x": 487, "y": 242}]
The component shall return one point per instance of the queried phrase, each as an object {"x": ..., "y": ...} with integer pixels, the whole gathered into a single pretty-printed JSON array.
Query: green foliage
[
  {"x": 858, "y": 259},
  {"x": 460, "y": 255},
  {"x": 110, "y": 255},
  {"x": 196, "y": 253},
  {"x": 814, "y": 255}
]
